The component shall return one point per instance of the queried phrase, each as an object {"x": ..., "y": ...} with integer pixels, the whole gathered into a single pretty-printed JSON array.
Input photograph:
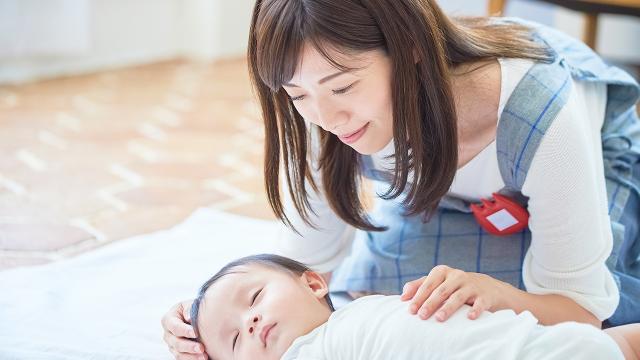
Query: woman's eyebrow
[{"x": 321, "y": 81}]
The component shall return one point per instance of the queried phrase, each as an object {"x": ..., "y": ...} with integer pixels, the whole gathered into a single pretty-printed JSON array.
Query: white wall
[
  {"x": 30, "y": 28},
  {"x": 214, "y": 29},
  {"x": 122, "y": 33}
]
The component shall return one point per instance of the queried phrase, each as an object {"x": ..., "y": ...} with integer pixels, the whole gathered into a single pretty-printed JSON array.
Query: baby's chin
[{"x": 282, "y": 344}]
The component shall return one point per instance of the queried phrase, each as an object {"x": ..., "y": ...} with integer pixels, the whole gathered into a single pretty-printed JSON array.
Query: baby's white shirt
[{"x": 381, "y": 327}]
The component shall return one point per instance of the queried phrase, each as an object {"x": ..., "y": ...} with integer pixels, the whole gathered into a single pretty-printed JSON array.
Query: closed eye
[
  {"x": 335, "y": 92},
  {"x": 253, "y": 300},
  {"x": 235, "y": 339},
  {"x": 343, "y": 90}
]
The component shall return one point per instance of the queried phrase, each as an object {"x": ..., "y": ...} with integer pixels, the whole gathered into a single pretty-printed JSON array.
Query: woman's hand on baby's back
[
  {"x": 446, "y": 289},
  {"x": 178, "y": 332}
]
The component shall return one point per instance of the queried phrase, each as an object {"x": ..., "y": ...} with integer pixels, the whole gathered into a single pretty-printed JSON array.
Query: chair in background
[{"x": 590, "y": 8}]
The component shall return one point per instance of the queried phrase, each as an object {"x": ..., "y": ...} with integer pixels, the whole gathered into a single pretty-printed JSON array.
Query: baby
[{"x": 271, "y": 307}]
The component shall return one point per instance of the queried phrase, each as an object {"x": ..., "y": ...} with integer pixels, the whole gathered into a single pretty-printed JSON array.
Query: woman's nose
[{"x": 329, "y": 117}]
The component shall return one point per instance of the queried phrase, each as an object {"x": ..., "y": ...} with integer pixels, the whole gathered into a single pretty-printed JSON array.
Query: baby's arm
[{"x": 628, "y": 339}]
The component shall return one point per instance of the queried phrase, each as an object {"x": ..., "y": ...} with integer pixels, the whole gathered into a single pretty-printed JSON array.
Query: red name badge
[{"x": 500, "y": 216}]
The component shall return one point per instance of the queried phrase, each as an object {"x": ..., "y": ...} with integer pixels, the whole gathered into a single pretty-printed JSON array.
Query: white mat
[{"x": 107, "y": 304}]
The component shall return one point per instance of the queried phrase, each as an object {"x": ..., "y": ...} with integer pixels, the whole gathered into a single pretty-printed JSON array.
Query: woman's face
[
  {"x": 258, "y": 312},
  {"x": 356, "y": 106}
]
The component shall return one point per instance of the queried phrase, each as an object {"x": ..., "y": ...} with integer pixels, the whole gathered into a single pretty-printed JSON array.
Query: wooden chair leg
[
  {"x": 590, "y": 30},
  {"x": 496, "y": 7}
]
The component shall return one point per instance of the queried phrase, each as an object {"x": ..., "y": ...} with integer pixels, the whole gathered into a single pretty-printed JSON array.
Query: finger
[
  {"x": 184, "y": 346},
  {"x": 479, "y": 305},
  {"x": 436, "y": 276},
  {"x": 438, "y": 297},
  {"x": 453, "y": 303},
  {"x": 410, "y": 288},
  {"x": 178, "y": 328},
  {"x": 186, "y": 310}
]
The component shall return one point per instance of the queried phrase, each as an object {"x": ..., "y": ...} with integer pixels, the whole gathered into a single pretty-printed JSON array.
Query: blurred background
[{"x": 119, "y": 118}]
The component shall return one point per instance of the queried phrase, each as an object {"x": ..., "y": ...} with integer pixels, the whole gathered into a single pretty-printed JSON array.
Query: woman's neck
[{"x": 476, "y": 91}]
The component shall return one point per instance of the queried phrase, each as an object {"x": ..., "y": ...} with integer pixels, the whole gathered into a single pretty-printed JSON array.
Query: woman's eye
[
  {"x": 343, "y": 90},
  {"x": 335, "y": 92},
  {"x": 253, "y": 300}
]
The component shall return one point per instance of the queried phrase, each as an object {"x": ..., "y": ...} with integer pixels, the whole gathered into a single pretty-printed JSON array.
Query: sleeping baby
[{"x": 271, "y": 307}]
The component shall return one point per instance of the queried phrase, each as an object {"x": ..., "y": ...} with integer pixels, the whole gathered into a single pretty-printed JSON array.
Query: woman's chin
[
  {"x": 361, "y": 150},
  {"x": 366, "y": 148}
]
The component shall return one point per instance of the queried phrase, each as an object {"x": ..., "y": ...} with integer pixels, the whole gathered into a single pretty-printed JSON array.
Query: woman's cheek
[{"x": 303, "y": 111}]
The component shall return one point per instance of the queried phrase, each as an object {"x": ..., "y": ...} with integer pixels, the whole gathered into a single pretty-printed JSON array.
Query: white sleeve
[
  {"x": 321, "y": 249},
  {"x": 569, "y": 221}
]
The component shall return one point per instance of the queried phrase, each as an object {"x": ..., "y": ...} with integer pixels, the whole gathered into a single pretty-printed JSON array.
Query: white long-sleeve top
[
  {"x": 381, "y": 328},
  {"x": 569, "y": 221}
]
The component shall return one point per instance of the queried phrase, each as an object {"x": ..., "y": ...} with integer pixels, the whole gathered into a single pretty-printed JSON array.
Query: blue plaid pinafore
[{"x": 382, "y": 262}]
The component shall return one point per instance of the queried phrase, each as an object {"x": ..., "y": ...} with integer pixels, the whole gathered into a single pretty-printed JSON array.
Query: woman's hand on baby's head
[
  {"x": 178, "y": 330},
  {"x": 446, "y": 289}
]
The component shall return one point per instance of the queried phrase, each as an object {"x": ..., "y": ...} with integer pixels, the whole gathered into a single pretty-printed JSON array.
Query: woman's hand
[
  {"x": 178, "y": 331},
  {"x": 446, "y": 290}
]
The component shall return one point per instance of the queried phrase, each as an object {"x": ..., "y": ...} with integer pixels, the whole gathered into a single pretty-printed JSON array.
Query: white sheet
[{"x": 107, "y": 304}]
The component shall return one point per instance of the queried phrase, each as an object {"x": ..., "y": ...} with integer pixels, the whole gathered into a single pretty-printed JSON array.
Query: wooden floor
[{"x": 89, "y": 160}]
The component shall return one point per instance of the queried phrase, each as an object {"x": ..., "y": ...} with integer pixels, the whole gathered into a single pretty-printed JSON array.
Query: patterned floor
[{"x": 88, "y": 160}]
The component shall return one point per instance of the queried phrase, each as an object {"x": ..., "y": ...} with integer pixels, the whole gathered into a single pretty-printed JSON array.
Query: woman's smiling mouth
[{"x": 355, "y": 136}]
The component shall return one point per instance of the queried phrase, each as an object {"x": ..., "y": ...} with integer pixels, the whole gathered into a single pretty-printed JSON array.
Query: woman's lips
[{"x": 353, "y": 137}]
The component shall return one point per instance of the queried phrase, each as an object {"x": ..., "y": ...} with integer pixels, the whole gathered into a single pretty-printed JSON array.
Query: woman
[{"x": 443, "y": 113}]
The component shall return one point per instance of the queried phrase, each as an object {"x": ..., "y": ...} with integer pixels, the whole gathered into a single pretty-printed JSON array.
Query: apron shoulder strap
[{"x": 530, "y": 110}]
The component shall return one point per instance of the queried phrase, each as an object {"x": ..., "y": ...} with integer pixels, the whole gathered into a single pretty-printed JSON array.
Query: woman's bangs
[
  {"x": 282, "y": 30},
  {"x": 279, "y": 41}
]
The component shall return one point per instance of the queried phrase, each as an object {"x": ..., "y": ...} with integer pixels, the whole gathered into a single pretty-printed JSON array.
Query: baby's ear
[{"x": 316, "y": 283}]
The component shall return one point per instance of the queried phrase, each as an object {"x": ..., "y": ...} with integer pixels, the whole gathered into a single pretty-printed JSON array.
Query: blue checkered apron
[{"x": 382, "y": 262}]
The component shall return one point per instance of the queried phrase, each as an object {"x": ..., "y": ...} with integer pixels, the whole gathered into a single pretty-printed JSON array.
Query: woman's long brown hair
[{"x": 424, "y": 116}]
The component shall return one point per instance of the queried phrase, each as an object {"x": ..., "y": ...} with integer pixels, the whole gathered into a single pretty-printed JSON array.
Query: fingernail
[
  {"x": 423, "y": 313},
  {"x": 196, "y": 348},
  {"x": 472, "y": 314},
  {"x": 440, "y": 316}
]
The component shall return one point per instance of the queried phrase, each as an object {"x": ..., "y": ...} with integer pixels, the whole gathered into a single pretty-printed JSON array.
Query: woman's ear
[{"x": 316, "y": 283}]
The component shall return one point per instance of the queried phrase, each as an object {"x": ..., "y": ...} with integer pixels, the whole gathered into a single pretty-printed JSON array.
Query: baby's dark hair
[{"x": 274, "y": 261}]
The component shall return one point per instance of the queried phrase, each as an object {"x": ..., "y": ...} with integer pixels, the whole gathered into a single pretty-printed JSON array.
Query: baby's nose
[{"x": 253, "y": 326}]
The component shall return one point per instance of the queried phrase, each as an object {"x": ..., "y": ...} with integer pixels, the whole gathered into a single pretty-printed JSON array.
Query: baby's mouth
[{"x": 264, "y": 333}]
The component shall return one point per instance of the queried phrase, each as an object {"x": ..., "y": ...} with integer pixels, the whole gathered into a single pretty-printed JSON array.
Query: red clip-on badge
[{"x": 502, "y": 216}]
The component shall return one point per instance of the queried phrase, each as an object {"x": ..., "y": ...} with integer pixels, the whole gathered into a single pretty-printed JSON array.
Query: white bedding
[{"x": 107, "y": 304}]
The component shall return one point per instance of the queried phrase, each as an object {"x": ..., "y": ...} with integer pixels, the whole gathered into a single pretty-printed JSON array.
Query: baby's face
[{"x": 258, "y": 312}]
